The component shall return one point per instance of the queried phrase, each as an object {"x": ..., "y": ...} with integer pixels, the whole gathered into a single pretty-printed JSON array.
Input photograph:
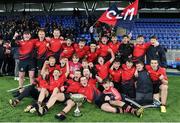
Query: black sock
[{"x": 117, "y": 110}]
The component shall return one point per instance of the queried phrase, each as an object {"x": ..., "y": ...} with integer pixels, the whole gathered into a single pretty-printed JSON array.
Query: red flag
[
  {"x": 109, "y": 16},
  {"x": 131, "y": 10}
]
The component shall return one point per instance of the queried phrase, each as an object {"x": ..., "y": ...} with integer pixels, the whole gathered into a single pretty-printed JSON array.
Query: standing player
[
  {"x": 103, "y": 47},
  {"x": 26, "y": 48},
  {"x": 92, "y": 53},
  {"x": 160, "y": 82},
  {"x": 67, "y": 49},
  {"x": 114, "y": 44},
  {"x": 42, "y": 49},
  {"x": 81, "y": 49},
  {"x": 140, "y": 48},
  {"x": 156, "y": 52},
  {"x": 125, "y": 49},
  {"x": 55, "y": 44}
]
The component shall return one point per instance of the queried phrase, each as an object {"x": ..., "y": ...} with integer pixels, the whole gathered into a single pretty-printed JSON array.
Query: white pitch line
[{"x": 17, "y": 88}]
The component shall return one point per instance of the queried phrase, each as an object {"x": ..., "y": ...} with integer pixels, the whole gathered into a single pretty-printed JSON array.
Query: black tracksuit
[
  {"x": 125, "y": 50},
  {"x": 156, "y": 53},
  {"x": 144, "y": 88}
]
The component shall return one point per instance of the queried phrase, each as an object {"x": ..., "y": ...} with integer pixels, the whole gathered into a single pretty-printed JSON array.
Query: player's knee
[
  {"x": 164, "y": 87},
  {"x": 71, "y": 103}
]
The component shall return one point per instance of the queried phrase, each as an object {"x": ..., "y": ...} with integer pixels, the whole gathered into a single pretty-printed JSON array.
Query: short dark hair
[
  {"x": 153, "y": 37},
  {"x": 129, "y": 60},
  {"x": 26, "y": 32},
  {"x": 140, "y": 62},
  {"x": 125, "y": 36},
  {"x": 82, "y": 40},
  {"x": 139, "y": 36}
]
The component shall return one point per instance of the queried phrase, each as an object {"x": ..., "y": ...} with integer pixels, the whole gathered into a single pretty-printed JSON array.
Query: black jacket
[
  {"x": 125, "y": 50},
  {"x": 156, "y": 53},
  {"x": 144, "y": 83},
  {"x": 1, "y": 52}
]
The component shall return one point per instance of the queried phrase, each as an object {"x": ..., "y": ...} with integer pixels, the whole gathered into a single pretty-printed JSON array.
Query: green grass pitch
[{"x": 90, "y": 112}]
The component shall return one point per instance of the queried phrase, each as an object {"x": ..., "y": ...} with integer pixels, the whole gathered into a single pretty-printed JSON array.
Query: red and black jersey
[
  {"x": 92, "y": 81},
  {"x": 114, "y": 47},
  {"x": 90, "y": 92},
  {"x": 26, "y": 49},
  {"x": 41, "y": 47},
  {"x": 51, "y": 69},
  {"x": 112, "y": 91},
  {"x": 91, "y": 56},
  {"x": 115, "y": 75},
  {"x": 41, "y": 82},
  {"x": 103, "y": 69},
  {"x": 140, "y": 49},
  {"x": 55, "y": 45},
  {"x": 127, "y": 74},
  {"x": 62, "y": 69},
  {"x": 103, "y": 50},
  {"x": 81, "y": 52},
  {"x": 67, "y": 51},
  {"x": 154, "y": 75},
  {"x": 56, "y": 83},
  {"x": 73, "y": 86}
]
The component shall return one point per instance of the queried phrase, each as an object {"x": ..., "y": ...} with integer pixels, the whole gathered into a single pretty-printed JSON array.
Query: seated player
[
  {"x": 48, "y": 67},
  {"x": 110, "y": 101},
  {"x": 144, "y": 89},
  {"x": 115, "y": 74},
  {"x": 30, "y": 91},
  {"x": 62, "y": 95},
  {"x": 128, "y": 83},
  {"x": 74, "y": 64},
  {"x": 159, "y": 81},
  {"x": 57, "y": 81},
  {"x": 102, "y": 67}
]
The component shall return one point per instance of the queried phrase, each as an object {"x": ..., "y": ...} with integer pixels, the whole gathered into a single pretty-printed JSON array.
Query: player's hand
[
  {"x": 46, "y": 62},
  {"x": 161, "y": 77},
  {"x": 136, "y": 73},
  {"x": 15, "y": 35},
  {"x": 62, "y": 89},
  {"x": 109, "y": 50},
  {"x": 156, "y": 44},
  {"x": 130, "y": 56},
  {"x": 65, "y": 59},
  {"x": 91, "y": 64},
  {"x": 47, "y": 45},
  {"x": 62, "y": 38},
  {"x": 47, "y": 38},
  {"x": 107, "y": 98}
]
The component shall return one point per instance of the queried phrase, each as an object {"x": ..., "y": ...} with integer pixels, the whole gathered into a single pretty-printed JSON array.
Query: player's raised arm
[{"x": 112, "y": 55}]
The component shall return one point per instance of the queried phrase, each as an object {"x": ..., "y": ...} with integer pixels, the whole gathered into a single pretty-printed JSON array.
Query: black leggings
[{"x": 30, "y": 91}]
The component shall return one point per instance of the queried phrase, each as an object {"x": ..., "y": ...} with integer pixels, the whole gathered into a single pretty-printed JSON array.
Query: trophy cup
[{"x": 78, "y": 99}]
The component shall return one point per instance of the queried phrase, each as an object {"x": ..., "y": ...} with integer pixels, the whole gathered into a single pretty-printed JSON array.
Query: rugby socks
[{"x": 128, "y": 109}]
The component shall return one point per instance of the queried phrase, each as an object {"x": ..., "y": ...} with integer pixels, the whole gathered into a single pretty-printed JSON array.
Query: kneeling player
[{"x": 160, "y": 82}]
